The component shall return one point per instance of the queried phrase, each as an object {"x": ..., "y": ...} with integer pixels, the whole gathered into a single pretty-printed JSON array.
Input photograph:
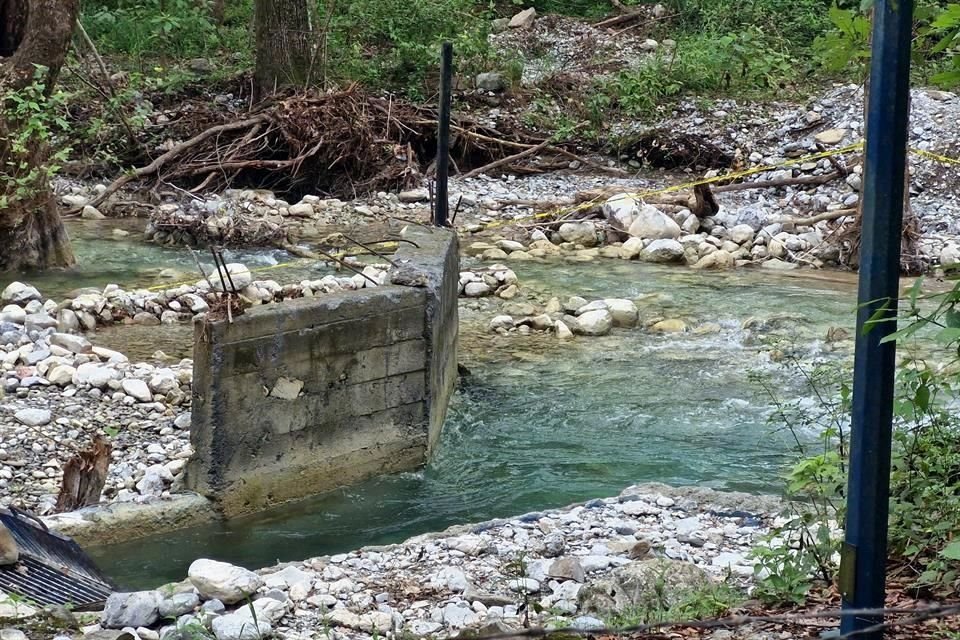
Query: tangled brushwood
[{"x": 341, "y": 143}]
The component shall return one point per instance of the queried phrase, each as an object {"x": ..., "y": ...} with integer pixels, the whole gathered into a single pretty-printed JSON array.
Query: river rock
[
  {"x": 178, "y": 605},
  {"x": 90, "y": 212},
  {"x": 491, "y": 81},
  {"x": 624, "y": 312},
  {"x": 562, "y": 330},
  {"x": 651, "y": 223},
  {"x": 594, "y": 323},
  {"x": 568, "y": 568},
  {"x": 477, "y": 289},
  {"x": 239, "y": 274},
  {"x": 19, "y": 293},
  {"x": 779, "y": 265},
  {"x": 225, "y": 582},
  {"x": 631, "y": 249},
  {"x": 163, "y": 381},
  {"x": 94, "y": 375},
  {"x": 719, "y": 259},
  {"x": 830, "y": 136},
  {"x": 138, "y": 609},
  {"x": 621, "y": 210},
  {"x": 523, "y": 20},
  {"x": 950, "y": 256},
  {"x": 741, "y": 234},
  {"x": 137, "y": 389},
  {"x": 638, "y": 583},
  {"x": 669, "y": 326},
  {"x": 265, "y": 608},
  {"x": 61, "y": 375},
  {"x": 146, "y": 319},
  {"x": 584, "y": 233},
  {"x": 13, "y": 313},
  {"x": 237, "y": 627},
  {"x": 663, "y": 250},
  {"x": 39, "y": 321},
  {"x": 72, "y": 343},
  {"x": 33, "y": 417}
]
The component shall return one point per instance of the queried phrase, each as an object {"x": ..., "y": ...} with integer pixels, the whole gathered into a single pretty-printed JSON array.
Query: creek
[{"x": 541, "y": 424}]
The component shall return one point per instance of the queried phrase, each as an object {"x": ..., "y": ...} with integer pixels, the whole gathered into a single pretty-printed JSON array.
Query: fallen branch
[
  {"x": 785, "y": 182},
  {"x": 507, "y": 160},
  {"x": 829, "y": 215},
  {"x": 170, "y": 155}
]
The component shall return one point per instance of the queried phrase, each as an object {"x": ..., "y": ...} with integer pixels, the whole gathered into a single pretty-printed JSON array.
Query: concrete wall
[{"x": 300, "y": 397}]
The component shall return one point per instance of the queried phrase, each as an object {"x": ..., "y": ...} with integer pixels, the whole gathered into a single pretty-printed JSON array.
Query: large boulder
[
  {"x": 19, "y": 293},
  {"x": 658, "y": 581},
  {"x": 584, "y": 233},
  {"x": 237, "y": 627},
  {"x": 524, "y": 19},
  {"x": 663, "y": 251},
  {"x": 621, "y": 210},
  {"x": 719, "y": 259},
  {"x": 594, "y": 323},
  {"x": 223, "y": 581},
  {"x": 138, "y": 609},
  {"x": 624, "y": 312},
  {"x": 651, "y": 223}
]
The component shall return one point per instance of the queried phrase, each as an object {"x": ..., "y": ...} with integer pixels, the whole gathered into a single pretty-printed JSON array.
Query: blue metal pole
[{"x": 864, "y": 553}]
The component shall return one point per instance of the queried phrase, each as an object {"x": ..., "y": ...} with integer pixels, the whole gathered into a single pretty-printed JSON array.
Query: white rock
[
  {"x": 223, "y": 581},
  {"x": 237, "y": 627},
  {"x": 477, "y": 289},
  {"x": 631, "y": 248},
  {"x": 33, "y": 417},
  {"x": 662, "y": 251},
  {"x": 651, "y": 223},
  {"x": 524, "y": 19},
  {"x": 61, "y": 375},
  {"x": 13, "y": 313},
  {"x": 741, "y": 234},
  {"x": 95, "y": 375},
  {"x": 594, "y": 323},
  {"x": 624, "y": 312},
  {"x": 17, "y": 292},
  {"x": 91, "y": 213},
  {"x": 459, "y": 616},
  {"x": 137, "y": 389},
  {"x": 584, "y": 233},
  {"x": 72, "y": 343}
]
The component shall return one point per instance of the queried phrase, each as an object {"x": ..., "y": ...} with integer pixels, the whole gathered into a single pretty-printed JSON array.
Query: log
[
  {"x": 829, "y": 215},
  {"x": 84, "y": 476},
  {"x": 507, "y": 160}
]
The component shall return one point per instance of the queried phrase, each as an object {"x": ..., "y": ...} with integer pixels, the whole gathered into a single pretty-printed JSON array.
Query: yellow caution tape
[
  {"x": 935, "y": 156},
  {"x": 591, "y": 203}
]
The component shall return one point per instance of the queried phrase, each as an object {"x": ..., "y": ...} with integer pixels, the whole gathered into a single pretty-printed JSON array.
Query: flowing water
[{"x": 540, "y": 424}]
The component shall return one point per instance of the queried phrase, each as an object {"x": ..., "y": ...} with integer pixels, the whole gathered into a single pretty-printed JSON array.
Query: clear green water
[
  {"x": 540, "y": 425},
  {"x": 103, "y": 258}
]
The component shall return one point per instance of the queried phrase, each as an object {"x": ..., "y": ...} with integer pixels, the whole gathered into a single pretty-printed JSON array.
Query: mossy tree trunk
[
  {"x": 284, "y": 45},
  {"x": 36, "y": 37}
]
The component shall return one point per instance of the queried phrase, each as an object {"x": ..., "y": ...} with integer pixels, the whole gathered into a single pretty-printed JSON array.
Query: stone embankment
[{"x": 570, "y": 567}]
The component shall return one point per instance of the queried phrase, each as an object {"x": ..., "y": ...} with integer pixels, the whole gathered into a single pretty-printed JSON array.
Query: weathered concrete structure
[{"x": 299, "y": 397}]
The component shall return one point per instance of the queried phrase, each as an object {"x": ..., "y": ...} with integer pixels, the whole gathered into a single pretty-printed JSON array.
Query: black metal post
[
  {"x": 864, "y": 554},
  {"x": 441, "y": 209}
]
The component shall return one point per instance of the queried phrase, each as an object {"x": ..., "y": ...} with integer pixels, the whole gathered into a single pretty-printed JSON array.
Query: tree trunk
[
  {"x": 284, "y": 45},
  {"x": 31, "y": 232},
  {"x": 84, "y": 476}
]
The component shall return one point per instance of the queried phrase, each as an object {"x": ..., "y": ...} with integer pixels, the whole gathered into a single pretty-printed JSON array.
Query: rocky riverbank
[{"x": 578, "y": 566}]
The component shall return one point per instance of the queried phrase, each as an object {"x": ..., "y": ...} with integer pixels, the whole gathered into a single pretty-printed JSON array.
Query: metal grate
[{"x": 53, "y": 569}]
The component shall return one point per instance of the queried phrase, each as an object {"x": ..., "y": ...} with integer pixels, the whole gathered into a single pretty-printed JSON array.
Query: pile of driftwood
[{"x": 343, "y": 144}]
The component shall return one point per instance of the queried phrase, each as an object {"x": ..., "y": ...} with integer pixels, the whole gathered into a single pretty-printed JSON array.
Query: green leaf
[
  {"x": 922, "y": 398},
  {"x": 951, "y": 551}
]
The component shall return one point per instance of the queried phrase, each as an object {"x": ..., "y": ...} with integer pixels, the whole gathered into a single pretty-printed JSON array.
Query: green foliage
[
  {"x": 748, "y": 62},
  {"x": 846, "y": 45},
  {"x": 394, "y": 44},
  {"x": 35, "y": 117},
  {"x": 711, "y": 600},
  {"x": 178, "y": 28},
  {"x": 925, "y": 466},
  {"x": 794, "y": 23}
]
